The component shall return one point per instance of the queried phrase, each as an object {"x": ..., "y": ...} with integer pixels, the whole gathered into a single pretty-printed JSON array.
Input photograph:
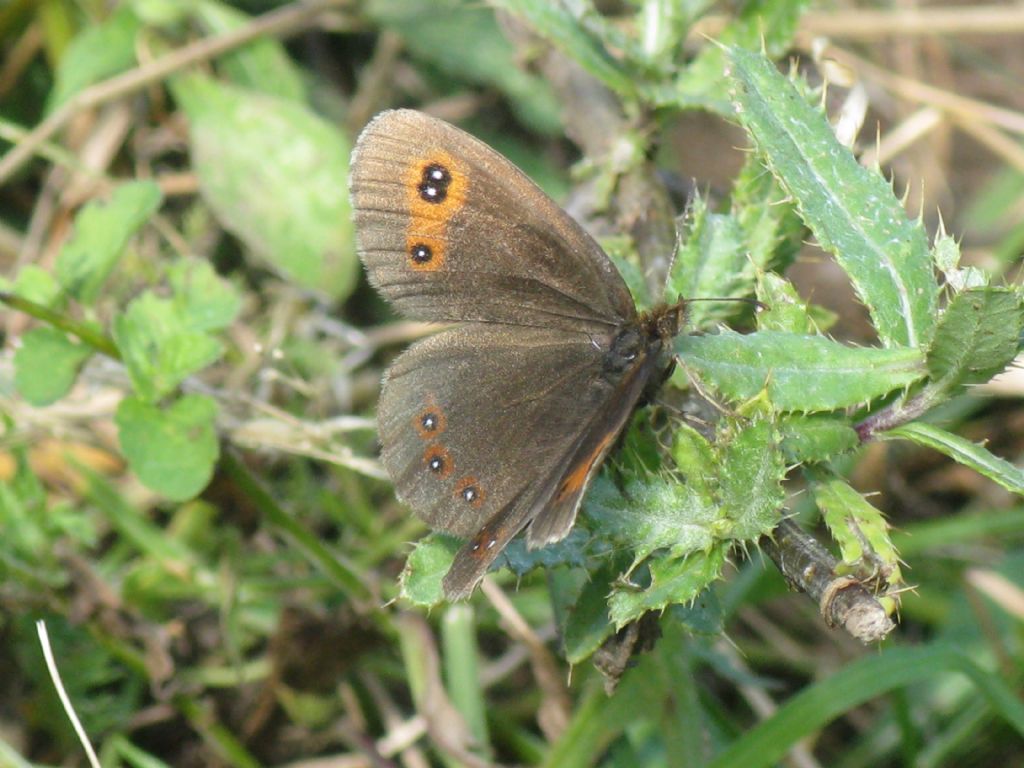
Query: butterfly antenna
[{"x": 758, "y": 305}]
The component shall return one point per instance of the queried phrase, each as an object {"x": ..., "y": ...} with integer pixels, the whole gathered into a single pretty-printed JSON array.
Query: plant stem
[
  {"x": 95, "y": 339},
  {"x": 843, "y": 601}
]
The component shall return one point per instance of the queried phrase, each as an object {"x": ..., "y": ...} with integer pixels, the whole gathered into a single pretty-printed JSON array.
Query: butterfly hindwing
[
  {"x": 478, "y": 415},
  {"x": 482, "y": 449}
]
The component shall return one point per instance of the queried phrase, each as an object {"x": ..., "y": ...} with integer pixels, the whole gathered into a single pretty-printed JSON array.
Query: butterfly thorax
[
  {"x": 646, "y": 336},
  {"x": 627, "y": 345}
]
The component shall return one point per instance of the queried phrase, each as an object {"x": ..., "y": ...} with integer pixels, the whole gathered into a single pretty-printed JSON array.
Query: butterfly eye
[{"x": 433, "y": 187}]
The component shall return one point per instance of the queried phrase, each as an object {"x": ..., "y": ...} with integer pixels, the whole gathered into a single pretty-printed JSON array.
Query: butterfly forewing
[{"x": 451, "y": 231}]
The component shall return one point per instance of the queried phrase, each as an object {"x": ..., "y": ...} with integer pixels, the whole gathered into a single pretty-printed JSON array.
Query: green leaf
[
  {"x": 665, "y": 24},
  {"x": 704, "y": 615},
  {"x": 696, "y": 459},
  {"x": 172, "y": 450},
  {"x": 673, "y": 580},
  {"x": 98, "y": 678},
  {"x": 558, "y": 24},
  {"x": 857, "y": 683},
  {"x": 851, "y": 210},
  {"x": 428, "y": 29},
  {"x": 977, "y": 337},
  {"x": 101, "y": 233},
  {"x": 772, "y": 231},
  {"x": 651, "y": 513},
  {"x": 586, "y": 622},
  {"x": 167, "y": 14},
  {"x": 164, "y": 551},
  {"x": 750, "y": 482},
  {"x": 206, "y": 301},
  {"x": 972, "y": 455},
  {"x": 571, "y": 550},
  {"x": 97, "y": 52},
  {"x": 798, "y": 373},
  {"x": 640, "y": 451},
  {"x": 786, "y": 312},
  {"x": 946, "y": 254},
  {"x": 46, "y": 364},
  {"x": 859, "y": 528},
  {"x": 462, "y": 672},
  {"x": 980, "y": 525},
  {"x": 711, "y": 262},
  {"x": 159, "y": 346},
  {"x": 38, "y": 285},
  {"x": 599, "y": 720},
  {"x": 425, "y": 568},
  {"x": 767, "y": 25},
  {"x": 245, "y": 143},
  {"x": 815, "y": 438},
  {"x": 31, "y": 525},
  {"x": 728, "y": 254},
  {"x": 263, "y": 64}
]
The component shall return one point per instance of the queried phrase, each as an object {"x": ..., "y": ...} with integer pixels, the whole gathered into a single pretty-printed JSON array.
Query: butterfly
[{"x": 498, "y": 424}]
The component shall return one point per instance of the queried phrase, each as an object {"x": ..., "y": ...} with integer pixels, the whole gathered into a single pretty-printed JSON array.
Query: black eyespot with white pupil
[
  {"x": 478, "y": 544},
  {"x": 436, "y": 464},
  {"x": 421, "y": 254},
  {"x": 434, "y": 185},
  {"x": 470, "y": 494},
  {"x": 429, "y": 422}
]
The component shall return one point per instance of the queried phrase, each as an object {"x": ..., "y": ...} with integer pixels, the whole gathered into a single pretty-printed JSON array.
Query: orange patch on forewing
[
  {"x": 577, "y": 477},
  {"x": 478, "y": 492},
  {"x": 422, "y": 424},
  {"x": 438, "y": 453},
  {"x": 428, "y": 220}
]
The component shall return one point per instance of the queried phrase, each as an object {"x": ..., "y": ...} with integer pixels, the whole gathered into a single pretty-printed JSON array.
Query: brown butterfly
[{"x": 497, "y": 424}]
